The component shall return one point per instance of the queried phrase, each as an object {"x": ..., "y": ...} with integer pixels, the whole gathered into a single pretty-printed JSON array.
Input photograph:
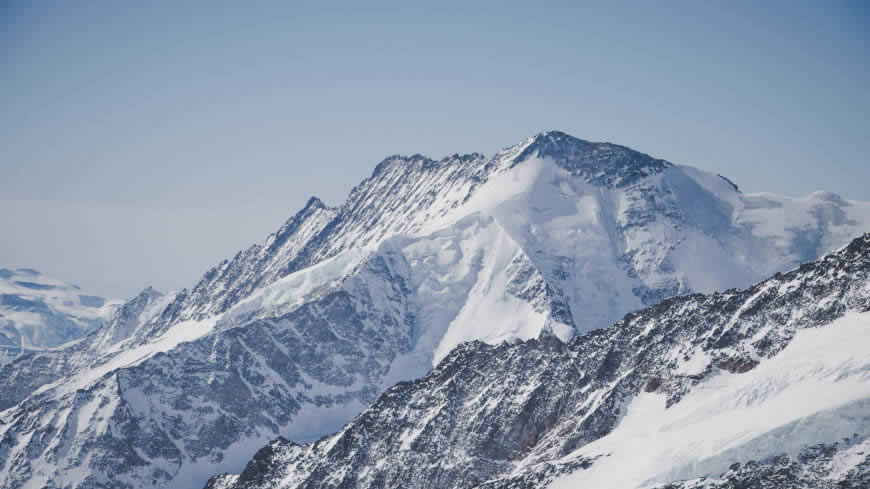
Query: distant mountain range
[
  {"x": 38, "y": 312},
  {"x": 505, "y": 265}
]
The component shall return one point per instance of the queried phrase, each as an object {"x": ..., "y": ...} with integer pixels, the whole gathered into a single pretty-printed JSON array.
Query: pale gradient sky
[{"x": 141, "y": 144}]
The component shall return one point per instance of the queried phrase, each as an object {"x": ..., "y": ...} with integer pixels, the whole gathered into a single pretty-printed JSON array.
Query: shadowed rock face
[
  {"x": 506, "y": 416},
  {"x": 603, "y": 164}
]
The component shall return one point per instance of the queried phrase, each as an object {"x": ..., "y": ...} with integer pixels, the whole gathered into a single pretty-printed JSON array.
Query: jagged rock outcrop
[{"x": 538, "y": 412}]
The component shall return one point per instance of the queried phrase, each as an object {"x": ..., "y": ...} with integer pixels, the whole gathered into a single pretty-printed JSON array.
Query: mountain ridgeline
[
  {"x": 470, "y": 265},
  {"x": 519, "y": 415}
]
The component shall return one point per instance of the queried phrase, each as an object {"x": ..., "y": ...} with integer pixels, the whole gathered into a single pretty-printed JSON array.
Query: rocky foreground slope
[
  {"x": 763, "y": 387},
  {"x": 297, "y": 335}
]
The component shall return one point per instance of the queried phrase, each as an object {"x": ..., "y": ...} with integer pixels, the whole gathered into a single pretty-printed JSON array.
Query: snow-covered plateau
[{"x": 423, "y": 265}]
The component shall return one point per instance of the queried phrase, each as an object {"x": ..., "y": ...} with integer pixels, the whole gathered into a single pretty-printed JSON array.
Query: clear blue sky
[{"x": 141, "y": 144}]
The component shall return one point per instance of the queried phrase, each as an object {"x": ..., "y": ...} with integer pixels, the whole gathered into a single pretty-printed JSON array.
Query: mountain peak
[
  {"x": 599, "y": 163},
  {"x": 603, "y": 164},
  {"x": 314, "y": 203},
  {"x": 859, "y": 245},
  {"x": 556, "y": 135}
]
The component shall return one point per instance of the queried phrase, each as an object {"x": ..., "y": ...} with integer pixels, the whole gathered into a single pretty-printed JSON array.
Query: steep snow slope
[
  {"x": 777, "y": 373},
  {"x": 38, "y": 312},
  {"x": 815, "y": 391},
  {"x": 612, "y": 228},
  {"x": 669, "y": 230},
  {"x": 839, "y": 465},
  {"x": 298, "y": 357},
  {"x": 553, "y": 235}
]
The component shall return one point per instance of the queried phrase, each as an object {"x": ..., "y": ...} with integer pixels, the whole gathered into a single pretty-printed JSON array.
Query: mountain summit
[
  {"x": 553, "y": 237},
  {"x": 603, "y": 164}
]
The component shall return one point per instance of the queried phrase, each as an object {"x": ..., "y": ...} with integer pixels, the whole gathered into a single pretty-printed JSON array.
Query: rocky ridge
[{"x": 518, "y": 415}]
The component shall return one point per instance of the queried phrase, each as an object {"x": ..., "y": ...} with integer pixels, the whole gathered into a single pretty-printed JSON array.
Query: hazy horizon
[{"x": 141, "y": 145}]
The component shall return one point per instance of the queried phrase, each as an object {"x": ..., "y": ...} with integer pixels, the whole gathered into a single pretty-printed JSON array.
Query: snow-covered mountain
[
  {"x": 38, "y": 312},
  {"x": 763, "y": 387},
  {"x": 297, "y": 335}
]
